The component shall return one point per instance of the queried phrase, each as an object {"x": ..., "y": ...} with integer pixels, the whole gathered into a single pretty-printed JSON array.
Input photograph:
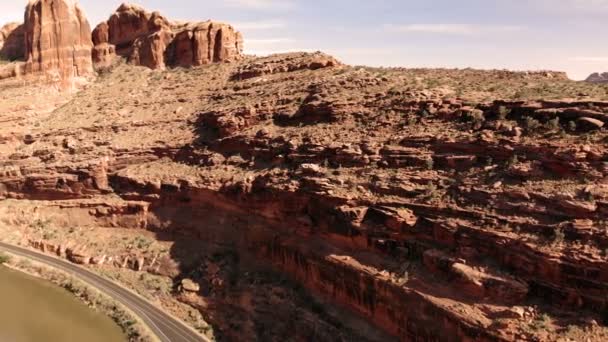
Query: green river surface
[{"x": 33, "y": 310}]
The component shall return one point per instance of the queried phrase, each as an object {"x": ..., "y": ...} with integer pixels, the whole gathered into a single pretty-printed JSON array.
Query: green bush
[
  {"x": 532, "y": 125},
  {"x": 503, "y": 112},
  {"x": 4, "y": 258}
]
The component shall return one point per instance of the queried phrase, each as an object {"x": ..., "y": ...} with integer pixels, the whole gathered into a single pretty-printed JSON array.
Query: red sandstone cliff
[
  {"x": 437, "y": 213},
  {"x": 150, "y": 39},
  {"x": 57, "y": 39}
]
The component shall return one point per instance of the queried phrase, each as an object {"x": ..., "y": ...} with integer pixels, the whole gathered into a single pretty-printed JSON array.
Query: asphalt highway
[{"x": 164, "y": 326}]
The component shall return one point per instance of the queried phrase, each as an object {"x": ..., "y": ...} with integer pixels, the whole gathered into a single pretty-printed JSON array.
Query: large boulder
[
  {"x": 11, "y": 41},
  {"x": 149, "y": 39},
  {"x": 57, "y": 39}
]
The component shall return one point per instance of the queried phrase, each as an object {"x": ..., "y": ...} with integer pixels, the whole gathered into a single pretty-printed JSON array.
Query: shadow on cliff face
[
  {"x": 13, "y": 47},
  {"x": 243, "y": 298}
]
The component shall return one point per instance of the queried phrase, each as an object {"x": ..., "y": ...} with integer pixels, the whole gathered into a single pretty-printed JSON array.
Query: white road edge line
[{"x": 168, "y": 321}]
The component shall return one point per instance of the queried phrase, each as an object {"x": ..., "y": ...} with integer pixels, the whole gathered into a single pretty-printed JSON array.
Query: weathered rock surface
[
  {"x": 204, "y": 43},
  {"x": 286, "y": 63},
  {"x": 433, "y": 213},
  {"x": 12, "y": 42},
  {"x": 598, "y": 77},
  {"x": 149, "y": 39},
  {"x": 57, "y": 39}
]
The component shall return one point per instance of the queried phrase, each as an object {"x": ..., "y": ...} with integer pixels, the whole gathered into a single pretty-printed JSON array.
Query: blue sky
[{"x": 568, "y": 35}]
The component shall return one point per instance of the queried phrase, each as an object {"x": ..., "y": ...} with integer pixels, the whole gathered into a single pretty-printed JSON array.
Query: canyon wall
[
  {"x": 395, "y": 228},
  {"x": 437, "y": 205}
]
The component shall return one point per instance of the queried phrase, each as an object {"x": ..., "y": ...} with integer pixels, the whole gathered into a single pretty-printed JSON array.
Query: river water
[{"x": 33, "y": 310}]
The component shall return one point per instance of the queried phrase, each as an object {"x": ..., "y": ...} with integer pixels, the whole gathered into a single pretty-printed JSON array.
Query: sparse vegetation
[
  {"x": 503, "y": 112},
  {"x": 558, "y": 237},
  {"x": 4, "y": 258},
  {"x": 532, "y": 125},
  {"x": 513, "y": 160},
  {"x": 542, "y": 322},
  {"x": 430, "y": 163},
  {"x": 553, "y": 124},
  {"x": 495, "y": 174}
]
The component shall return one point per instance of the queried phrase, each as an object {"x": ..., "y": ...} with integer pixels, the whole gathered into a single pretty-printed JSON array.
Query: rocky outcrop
[
  {"x": 11, "y": 41},
  {"x": 598, "y": 77},
  {"x": 103, "y": 52},
  {"x": 204, "y": 43},
  {"x": 54, "y": 43},
  {"x": 149, "y": 39},
  {"x": 281, "y": 63},
  {"x": 128, "y": 23},
  {"x": 118, "y": 36},
  {"x": 57, "y": 39}
]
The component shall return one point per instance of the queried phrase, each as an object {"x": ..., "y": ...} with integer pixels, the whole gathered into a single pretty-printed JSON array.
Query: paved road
[{"x": 166, "y": 328}]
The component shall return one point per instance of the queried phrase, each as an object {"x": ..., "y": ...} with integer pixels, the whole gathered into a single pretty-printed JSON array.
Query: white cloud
[
  {"x": 275, "y": 51},
  {"x": 268, "y": 41},
  {"x": 568, "y": 6},
  {"x": 262, "y": 4},
  {"x": 267, "y": 46},
  {"x": 596, "y": 59},
  {"x": 451, "y": 29},
  {"x": 259, "y": 25},
  {"x": 589, "y": 3}
]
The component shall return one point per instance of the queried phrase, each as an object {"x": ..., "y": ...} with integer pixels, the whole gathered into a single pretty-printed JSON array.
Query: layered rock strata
[{"x": 433, "y": 216}]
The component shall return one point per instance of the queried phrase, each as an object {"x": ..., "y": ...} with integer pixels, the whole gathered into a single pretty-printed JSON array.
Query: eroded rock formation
[
  {"x": 11, "y": 42},
  {"x": 57, "y": 39},
  {"x": 149, "y": 39},
  {"x": 598, "y": 77}
]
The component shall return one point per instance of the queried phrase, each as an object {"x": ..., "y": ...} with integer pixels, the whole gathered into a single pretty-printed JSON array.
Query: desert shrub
[
  {"x": 558, "y": 236},
  {"x": 423, "y": 113},
  {"x": 513, "y": 160},
  {"x": 474, "y": 116},
  {"x": 503, "y": 112},
  {"x": 411, "y": 121},
  {"x": 4, "y": 258},
  {"x": 553, "y": 124},
  {"x": 532, "y": 125}
]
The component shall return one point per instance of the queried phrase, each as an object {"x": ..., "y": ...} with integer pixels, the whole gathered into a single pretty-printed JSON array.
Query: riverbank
[{"x": 133, "y": 328}]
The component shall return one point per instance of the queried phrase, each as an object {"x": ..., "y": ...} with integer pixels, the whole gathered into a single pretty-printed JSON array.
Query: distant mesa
[
  {"x": 149, "y": 39},
  {"x": 598, "y": 78}
]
